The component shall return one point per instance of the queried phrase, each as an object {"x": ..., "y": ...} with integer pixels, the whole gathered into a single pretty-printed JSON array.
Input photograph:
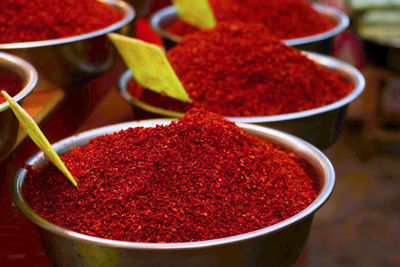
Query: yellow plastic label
[
  {"x": 34, "y": 132},
  {"x": 196, "y": 12},
  {"x": 150, "y": 66}
]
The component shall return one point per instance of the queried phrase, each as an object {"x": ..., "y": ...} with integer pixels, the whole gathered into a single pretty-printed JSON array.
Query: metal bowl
[
  {"x": 72, "y": 60},
  {"x": 276, "y": 245},
  {"x": 378, "y": 29},
  {"x": 319, "y": 126},
  {"x": 322, "y": 42},
  {"x": 9, "y": 123}
]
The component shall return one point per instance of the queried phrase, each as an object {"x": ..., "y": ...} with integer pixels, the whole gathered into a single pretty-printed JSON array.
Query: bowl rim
[
  {"x": 342, "y": 19},
  {"x": 127, "y": 11},
  {"x": 384, "y": 43},
  {"x": 297, "y": 145},
  {"x": 326, "y": 61},
  {"x": 30, "y": 79}
]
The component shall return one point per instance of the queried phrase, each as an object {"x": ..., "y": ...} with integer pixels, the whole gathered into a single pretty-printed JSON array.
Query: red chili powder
[
  {"x": 239, "y": 70},
  {"x": 10, "y": 81},
  {"x": 199, "y": 178},
  {"x": 35, "y": 20},
  {"x": 287, "y": 19}
]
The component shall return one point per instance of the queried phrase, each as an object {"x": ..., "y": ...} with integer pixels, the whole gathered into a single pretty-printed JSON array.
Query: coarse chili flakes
[
  {"x": 36, "y": 20},
  {"x": 287, "y": 19},
  {"x": 240, "y": 70},
  {"x": 10, "y": 82},
  {"x": 199, "y": 178}
]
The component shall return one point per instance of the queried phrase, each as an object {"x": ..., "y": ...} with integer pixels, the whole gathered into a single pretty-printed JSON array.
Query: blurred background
[{"x": 360, "y": 225}]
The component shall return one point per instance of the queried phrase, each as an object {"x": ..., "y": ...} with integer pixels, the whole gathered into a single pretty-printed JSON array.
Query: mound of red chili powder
[
  {"x": 287, "y": 19},
  {"x": 239, "y": 70},
  {"x": 10, "y": 82},
  {"x": 199, "y": 178},
  {"x": 35, "y": 20}
]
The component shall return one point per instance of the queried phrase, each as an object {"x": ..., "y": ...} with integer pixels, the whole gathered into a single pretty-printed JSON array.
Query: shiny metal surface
[
  {"x": 320, "y": 126},
  {"x": 321, "y": 42},
  {"x": 276, "y": 245},
  {"x": 72, "y": 60},
  {"x": 9, "y": 123}
]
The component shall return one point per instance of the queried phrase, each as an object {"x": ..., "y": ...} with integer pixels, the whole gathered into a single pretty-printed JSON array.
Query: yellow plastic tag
[
  {"x": 150, "y": 66},
  {"x": 196, "y": 12},
  {"x": 33, "y": 130}
]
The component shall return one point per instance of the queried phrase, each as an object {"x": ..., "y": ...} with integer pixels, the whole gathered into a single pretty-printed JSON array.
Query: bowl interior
[
  {"x": 307, "y": 152},
  {"x": 341, "y": 19},
  {"x": 25, "y": 71}
]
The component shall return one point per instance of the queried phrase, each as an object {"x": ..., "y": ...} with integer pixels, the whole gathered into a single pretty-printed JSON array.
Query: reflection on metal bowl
[
  {"x": 9, "y": 123},
  {"x": 277, "y": 245},
  {"x": 72, "y": 60},
  {"x": 321, "y": 42},
  {"x": 142, "y": 7},
  {"x": 320, "y": 126}
]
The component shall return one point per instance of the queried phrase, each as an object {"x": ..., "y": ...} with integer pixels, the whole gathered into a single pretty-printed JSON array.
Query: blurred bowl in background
[
  {"x": 321, "y": 43},
  {"x": 72, "y": 60},
  {"x": 142, "y": 7},
  {"x": 8, "y": 121},
  {"x": 379, "y": 30},
  {"x": 277, "y": 245},
  {"x": 320, "y": 126}
]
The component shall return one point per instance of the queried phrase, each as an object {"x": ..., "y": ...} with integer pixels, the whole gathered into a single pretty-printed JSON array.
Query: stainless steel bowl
[
  {"x": 276, "y": 245},
  {"x": 72, "y": 60},
  {"x": 320, "y": 126},
  {"x": 9, "y": 123},
  {"x": 321, "y": 42}
]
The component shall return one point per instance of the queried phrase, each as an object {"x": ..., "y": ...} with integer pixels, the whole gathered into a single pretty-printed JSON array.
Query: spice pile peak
[
  {"x": 240, "y": 70},
  {"x": 198, "y": 178}
]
